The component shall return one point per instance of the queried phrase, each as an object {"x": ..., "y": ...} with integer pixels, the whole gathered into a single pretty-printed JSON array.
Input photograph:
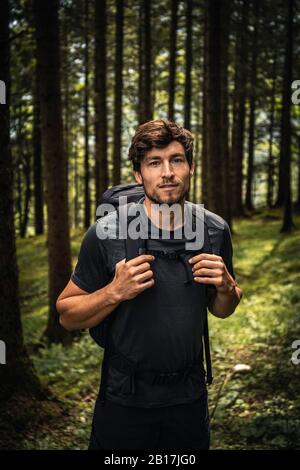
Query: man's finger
[
  {"x": 142, "y": 268},
  {"x": 204, "y": 263},
  {"x": 144, "y": 276},
  {"x": 216, "y": 281},
  {"x": 146, "y": 285},
  {"x": 207, "y": 272},
  {"x": 140, "y": 259},
  {"x": 202, "y": 256}
]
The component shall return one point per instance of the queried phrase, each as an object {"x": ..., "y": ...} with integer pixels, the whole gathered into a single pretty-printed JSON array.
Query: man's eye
[
  {"x": 153, "y": 163},
  {"x": 177, "y": 160}
]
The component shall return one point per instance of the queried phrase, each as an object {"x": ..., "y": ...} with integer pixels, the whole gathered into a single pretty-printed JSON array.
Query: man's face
[{"x": 165, "y": 174}]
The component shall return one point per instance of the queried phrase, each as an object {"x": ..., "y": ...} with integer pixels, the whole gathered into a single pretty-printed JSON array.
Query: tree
[
  {"x": 204, "y": 156},
  {"x": 285, "y": 144},
  {"x": 172, "y": 58},
  {"x": 239, "y": 102},
  {"x": 87, "y": 196},
  {"x": 37, "y": 166},
  {"x": 17, "y": 375},
  {"x": 117, "y": 144},
  {"x": 217, "y": 122},
  {"x": 145, "y": 62},
  {"x": 188, "y": 64},
  {"x": 101, "y": 165},
  {"x": 48, "y": 69},
  {"x": 271, "y": 160},
  {"x": 252, "y": 106}
]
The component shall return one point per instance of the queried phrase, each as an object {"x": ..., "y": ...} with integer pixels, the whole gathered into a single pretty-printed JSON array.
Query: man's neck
[{"x": 166, "y": 221}]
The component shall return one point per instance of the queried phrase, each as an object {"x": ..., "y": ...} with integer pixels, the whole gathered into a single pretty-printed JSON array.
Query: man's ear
[{"x": 138, "y": 177}]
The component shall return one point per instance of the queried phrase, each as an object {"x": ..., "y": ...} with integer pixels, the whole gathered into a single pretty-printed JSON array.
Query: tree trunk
[
  {"x": 239, "y": 100},
  {"x": 145, "y": 60},
  {"x": 217, "y": 122},
  {"x": 76, "y": 188},
  {"x": 27, "y": 195},
  {"x": 252, "y": 105},
  {"x": 59, "y": 255},
  {"x": 87, "y": 196},
  {"x": 197, "y": 152},
  {"x": 297, "y": 203},
  {"x": 172, "y": 59},
  {"x": 204, "y": 156},
  {"x": 66, "y": 108},
  {"x": 101, "y": 164},
  {"x": 271, "y": 163},
  {"x": 188, "y": 71},
  {"x": 16, "y": 371},
  {"x": 37, "y": 167},
  {"x": 188, "y": 64},
  {"x": 285, "y": 147},
  {"x": 117, "y": 144}
]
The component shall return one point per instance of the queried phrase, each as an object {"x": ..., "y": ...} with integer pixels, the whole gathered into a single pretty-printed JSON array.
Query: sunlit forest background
[{"x": 77, "y": 77}]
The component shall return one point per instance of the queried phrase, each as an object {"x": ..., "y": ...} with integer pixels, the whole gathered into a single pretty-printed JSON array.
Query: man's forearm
[
  {"x": 85, "y": 311},
  {"x": 224, "y": 304}
]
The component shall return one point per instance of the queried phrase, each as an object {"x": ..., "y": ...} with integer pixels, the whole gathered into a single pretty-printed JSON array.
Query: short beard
[{"x": 157, "y": 200}]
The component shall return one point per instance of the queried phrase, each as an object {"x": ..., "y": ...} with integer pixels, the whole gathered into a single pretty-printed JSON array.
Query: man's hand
[
  {"x": 211, "y": 269},
  {"x": 132, "y": 277}
]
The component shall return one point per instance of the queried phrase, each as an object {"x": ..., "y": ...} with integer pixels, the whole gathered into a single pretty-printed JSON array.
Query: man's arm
[
  {"x": 79, "y": 309},
  {"x": 223, "y": 304}
]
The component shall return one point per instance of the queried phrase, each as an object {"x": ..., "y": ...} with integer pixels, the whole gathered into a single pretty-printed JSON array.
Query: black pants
[{"x": 181, "y": 427}]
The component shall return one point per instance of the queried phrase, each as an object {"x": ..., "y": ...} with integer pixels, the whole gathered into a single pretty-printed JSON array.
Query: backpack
[{"x": 133, "y": 248}]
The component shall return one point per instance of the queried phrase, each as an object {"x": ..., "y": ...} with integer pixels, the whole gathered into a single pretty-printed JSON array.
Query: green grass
[{"x": 255, "y": 409}]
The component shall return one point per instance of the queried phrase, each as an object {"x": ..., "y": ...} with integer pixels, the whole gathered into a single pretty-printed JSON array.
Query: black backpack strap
[
  {"x": 133, "y": 248},
  {"x": 106, "y": 354},
  {"x": 207, "y": 248}
]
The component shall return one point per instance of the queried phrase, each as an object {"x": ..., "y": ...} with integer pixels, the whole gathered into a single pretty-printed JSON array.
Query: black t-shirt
[
  {"x": 92, "y": 270},
  {"x": 162, "y": 327}
]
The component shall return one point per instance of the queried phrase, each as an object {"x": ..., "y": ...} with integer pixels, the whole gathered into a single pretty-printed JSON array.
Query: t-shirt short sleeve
[
  {"x": 226, "y": 251},
  {"x": 90, "y": 273}
]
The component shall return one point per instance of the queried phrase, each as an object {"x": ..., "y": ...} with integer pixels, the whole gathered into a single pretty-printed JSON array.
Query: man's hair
[{"x": 158, "y": 133}]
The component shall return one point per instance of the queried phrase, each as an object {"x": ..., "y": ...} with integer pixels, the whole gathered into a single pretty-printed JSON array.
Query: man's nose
[{"x": 167, "y": 170}]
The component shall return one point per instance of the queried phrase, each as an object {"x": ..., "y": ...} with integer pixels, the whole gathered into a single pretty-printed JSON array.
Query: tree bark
[
  {"x": 117, "y": 143},
  {"x": 239, "y": 100},
  {"x": 37, "y": 167},
  {"x": 271, "y": 163},
  {"x": 172, "y": 58},
  {"x": 145, "y": 63},
  {"x": 285, "y": 147},
  {"x": 27, "y": 193},
  {"x": 188, "y": 71},
  {"x": 59, "y": 255},
  {"x": 16, "y": 374},
  {"x": 101, "y": 164},
  {"x": 204, "y": 156},
  {"x": 217, "y": 121},
  {"x": 87, "y": 196},
  {"x": 252, "y": 106}
]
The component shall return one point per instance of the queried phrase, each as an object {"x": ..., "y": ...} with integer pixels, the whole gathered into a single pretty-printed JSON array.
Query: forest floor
[{"x": 254, "y": 400}]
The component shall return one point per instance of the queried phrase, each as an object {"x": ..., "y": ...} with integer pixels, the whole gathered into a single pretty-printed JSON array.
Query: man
[{"x": 159, "y": 313}]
